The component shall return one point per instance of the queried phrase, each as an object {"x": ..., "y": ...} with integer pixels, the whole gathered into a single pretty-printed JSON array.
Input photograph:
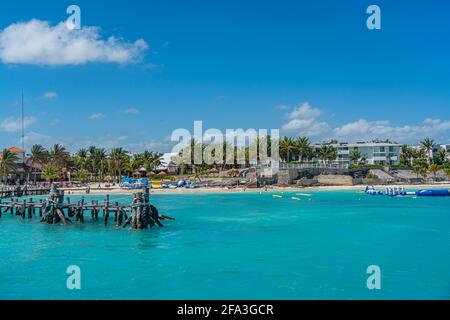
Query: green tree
[
  {"x": 406, "y": 156},
  {"x": 427, "y": 145},
  {"x": 151, "y": 160},
  {"x": 288, "y": 148},
  {"x": 59, "y": 156},
  {"x": 355, "y": 156},
  {"x": 447, "y": 172},
  {"x": 440, "y": 157},
  {"x": 8, "y": 163},
  {"x": 82, "y": 175},
  {"x": 50, "y": 173},
  {"x": 303, "y": 148},
  {"x": 38, "y": 157},
  {"x": 420, "y": 167},
  {"x": 119, "y": 158},
  {"x": 327, "y": 153},
  {"x": 433, "y": 169}
]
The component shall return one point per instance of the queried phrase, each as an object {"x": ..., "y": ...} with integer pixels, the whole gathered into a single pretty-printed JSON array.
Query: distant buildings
[
  {"x": 167, "y": 164},
  {"x": 20, "y": 153},
  {"x": 374, "y": 153}
]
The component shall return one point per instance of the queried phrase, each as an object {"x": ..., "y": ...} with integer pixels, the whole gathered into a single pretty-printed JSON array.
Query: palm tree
[
  {"x": 82, "y": 158},
  {"x": 433, "y": 168},
  {"x": 447, "y": 172},
  {"x": 419, "y": 154},
  {"x": 287, "y": 148},
  {"x": 406, "y": 156},
  {"x": 8, "y": 163},
  {"x": 427, "y": 145},
  {"x": 118, "y": 158},
  {"x": 101, "y": 156},
  {"x": 355, "y": 156},
  {"x": 303, "y": 147},
  {"x": 420, "y": 167},
  {"x": 96, "y": 158},
  {"x": 327, "y": 153},
  {"x": 151, "y": 160},
  {"x": 59, "y": 155},
  {"x": 50, "y": 173},
  {"x": 38, "y": 156},
  {"x": 82, "y": 175},
  {"x": 440, "y": 157}
]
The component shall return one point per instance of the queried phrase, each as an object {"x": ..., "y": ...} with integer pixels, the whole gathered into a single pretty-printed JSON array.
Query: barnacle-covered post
[
  {"x": 52, "y": 207},
  {"x": 143, "y": 215}
]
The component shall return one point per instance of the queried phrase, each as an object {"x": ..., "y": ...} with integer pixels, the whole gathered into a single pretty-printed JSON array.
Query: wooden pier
[
  {"x": 10, "y": 192},
  {"x": 140, "y": 214}
]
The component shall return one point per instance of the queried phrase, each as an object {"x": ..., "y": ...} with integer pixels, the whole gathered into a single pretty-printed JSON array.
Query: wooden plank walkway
[
  {"x": 10, "y": 192},
  {"x": 56, "y": 209}
]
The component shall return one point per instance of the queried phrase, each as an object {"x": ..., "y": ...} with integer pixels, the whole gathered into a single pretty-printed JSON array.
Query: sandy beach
[{"x": 118, "y": 190}]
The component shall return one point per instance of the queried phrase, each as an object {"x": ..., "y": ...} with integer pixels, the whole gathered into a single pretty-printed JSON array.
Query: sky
[{"x": 138, "y": 70}]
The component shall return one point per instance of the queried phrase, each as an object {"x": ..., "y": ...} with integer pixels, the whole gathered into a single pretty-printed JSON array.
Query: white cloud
[
  {"x": 49, "y": 95},
  {"x": 368, "y": 130},
  {"x": 305, "y": 111},
  {"x": 97, "y": 116},
  {"x": 132, "y": 111},
  {"x": 15, "y": 124},
  {"x": 36, "y": 42},
  {"x": 303, "y": 120},
  {"x": 32, "y": 138}
]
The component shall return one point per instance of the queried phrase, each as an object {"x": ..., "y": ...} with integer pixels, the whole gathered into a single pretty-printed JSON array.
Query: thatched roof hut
[{"x": 233, "y": 172}]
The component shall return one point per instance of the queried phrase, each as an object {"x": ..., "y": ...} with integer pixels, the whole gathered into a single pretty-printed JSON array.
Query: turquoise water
[{"x": 240, "y": 246}]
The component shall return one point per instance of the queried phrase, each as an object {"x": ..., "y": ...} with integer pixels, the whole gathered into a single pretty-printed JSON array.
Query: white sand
[{"x": 117, "y": 190}]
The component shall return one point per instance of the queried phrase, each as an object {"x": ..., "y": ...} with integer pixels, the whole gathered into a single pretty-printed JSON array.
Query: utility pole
[
  {"x": 23, "y": 122},
  {"x": 23, "y": 134}
]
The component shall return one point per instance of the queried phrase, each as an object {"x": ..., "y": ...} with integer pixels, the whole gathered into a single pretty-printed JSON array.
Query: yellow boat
[{"x": 157, "y": 185}]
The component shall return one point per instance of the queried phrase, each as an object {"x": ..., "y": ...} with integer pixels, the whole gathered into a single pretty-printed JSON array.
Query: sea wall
[{"x": 335, "y": 180}]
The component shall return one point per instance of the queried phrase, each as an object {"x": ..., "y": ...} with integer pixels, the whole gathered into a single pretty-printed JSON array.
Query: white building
[
  {"x": 374, "y": 153},
  {"x": 167, "y": 164}
]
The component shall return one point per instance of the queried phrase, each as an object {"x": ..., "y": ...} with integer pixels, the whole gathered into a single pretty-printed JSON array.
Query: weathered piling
[{"x": 52, "y": 210}]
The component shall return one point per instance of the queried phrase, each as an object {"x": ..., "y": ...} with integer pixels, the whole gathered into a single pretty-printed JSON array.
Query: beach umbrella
[
  {"x": 151, "y": 174},
  {"x": 162, "y": 174},
  {"x": 136, "y": 174},
  {"x": 214, "y": 171}
]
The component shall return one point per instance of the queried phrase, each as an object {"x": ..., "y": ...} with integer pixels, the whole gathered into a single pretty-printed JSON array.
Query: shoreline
[{"x": 182, "y": 191}]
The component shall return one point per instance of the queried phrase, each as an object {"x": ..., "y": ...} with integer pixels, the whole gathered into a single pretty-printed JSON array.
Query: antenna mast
[{"x": 23, "y": 123}]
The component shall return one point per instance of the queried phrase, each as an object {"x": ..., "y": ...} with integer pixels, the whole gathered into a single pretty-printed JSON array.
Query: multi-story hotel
[{"x": 377, "y": 153}]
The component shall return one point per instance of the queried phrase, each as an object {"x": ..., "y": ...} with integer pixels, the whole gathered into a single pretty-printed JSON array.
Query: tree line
[
  {"x": 91, "y": 164},
  {"x": 97, "y": 164}
]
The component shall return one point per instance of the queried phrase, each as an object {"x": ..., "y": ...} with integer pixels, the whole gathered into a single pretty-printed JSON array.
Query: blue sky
[{"x": 306, "y": 67}]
